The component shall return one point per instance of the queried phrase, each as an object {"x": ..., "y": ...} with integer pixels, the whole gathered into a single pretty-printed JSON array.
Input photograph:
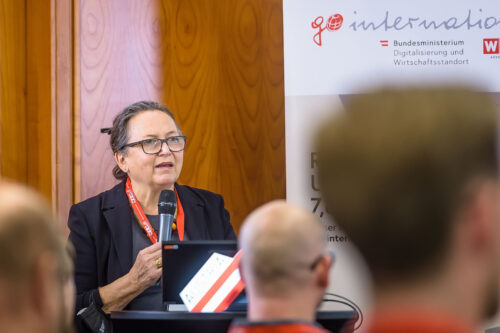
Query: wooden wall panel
[
  {"x": 224, "y": 80},
  {"x": 120, "y": 62},
  {"x": 25, "y": 65},
  {"x": 218, "y": 65},
  {"x": 38, "y": 96},
  {"x": 253, "y": 93},
  {"x": 35, "y": 107},
  {"x": 192, "y": 74},
  {"x": 13, "y": 145},
  {"x": 63, "y": 78}
]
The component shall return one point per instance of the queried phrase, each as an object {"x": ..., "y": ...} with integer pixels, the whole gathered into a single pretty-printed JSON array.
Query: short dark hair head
[
  {"x": 119, "y": 135},
  {"x": 394, "y": 168}
]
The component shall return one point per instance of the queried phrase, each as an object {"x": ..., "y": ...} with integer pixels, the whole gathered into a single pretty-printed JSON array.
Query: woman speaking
[{"x": 118, "y": 259}]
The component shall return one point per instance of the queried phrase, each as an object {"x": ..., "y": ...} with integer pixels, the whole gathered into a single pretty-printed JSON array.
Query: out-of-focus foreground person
[
  {"x": 36, "y": 283},
  {"x": 285, "y": 267},
  {"x": 411, "y": 177}
]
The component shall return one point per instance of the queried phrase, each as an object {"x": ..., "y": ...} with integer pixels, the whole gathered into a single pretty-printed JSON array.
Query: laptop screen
[{"x": 182, "y": 260}]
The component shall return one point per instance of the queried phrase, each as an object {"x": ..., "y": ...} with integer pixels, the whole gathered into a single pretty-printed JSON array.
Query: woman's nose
[{"x": 164, "y": 149}]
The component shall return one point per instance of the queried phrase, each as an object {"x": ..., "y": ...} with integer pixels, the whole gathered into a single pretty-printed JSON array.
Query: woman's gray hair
[{"x": 119, "y": 132}]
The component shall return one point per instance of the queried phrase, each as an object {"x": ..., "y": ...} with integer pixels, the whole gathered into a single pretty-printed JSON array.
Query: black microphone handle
[{"x": 166, "y": 221}]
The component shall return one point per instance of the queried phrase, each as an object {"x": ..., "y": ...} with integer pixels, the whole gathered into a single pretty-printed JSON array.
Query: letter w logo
[{"x": 491, "y": 46}]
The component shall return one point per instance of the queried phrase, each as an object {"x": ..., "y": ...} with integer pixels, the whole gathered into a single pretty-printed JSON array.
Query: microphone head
[{"x": 167, "y": 202}]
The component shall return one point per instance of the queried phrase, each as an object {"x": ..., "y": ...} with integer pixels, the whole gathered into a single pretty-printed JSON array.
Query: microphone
[{"x": 166, "y": 208}]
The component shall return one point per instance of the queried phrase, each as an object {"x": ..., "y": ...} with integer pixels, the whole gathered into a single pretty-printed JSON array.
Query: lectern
[{"x": 158, "y": 321}]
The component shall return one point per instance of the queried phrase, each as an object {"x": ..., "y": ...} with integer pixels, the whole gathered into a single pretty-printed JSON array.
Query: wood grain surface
[
  {"x": 13, "y": 136},
  {"x": 38, "y": 96},
  {"x": 120, "y": 63},
  {"x": 218, "y": 65},
  {"x": 36, "y": 105},
  {"x": 25, "y": 93},
  {"x": 63, "y": 106}
]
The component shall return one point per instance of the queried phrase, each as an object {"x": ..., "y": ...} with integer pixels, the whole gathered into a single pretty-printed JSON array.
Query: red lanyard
[
  {"x": 143, "y": 220},
  {"x": 180, "y": 219}
]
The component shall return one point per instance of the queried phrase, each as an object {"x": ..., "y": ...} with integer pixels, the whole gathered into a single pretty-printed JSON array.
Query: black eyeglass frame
[{"x": 132, "y": 144}]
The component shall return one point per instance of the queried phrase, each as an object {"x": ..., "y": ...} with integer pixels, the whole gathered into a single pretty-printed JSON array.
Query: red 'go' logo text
[{"x": 334, "y": 23}]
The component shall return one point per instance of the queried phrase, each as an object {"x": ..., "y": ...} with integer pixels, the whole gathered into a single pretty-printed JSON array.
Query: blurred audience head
[
  {"x": 36, "y": 283},
  {"x": 410, "y": 175},
  {"x": 284, "y": 264}
]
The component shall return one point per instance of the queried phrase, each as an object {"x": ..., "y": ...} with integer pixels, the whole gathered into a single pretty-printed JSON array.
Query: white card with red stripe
[{"x": 215, "y": 286}]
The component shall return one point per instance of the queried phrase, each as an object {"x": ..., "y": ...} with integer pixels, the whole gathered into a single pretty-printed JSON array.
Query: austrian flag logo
[{"x": 333, "y": 23}]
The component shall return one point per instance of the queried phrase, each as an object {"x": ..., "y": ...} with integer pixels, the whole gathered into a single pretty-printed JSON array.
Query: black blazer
[{"x": 101, "y": 232}]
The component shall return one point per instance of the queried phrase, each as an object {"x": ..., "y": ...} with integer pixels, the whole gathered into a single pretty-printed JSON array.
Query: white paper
[{"x": 204, "y": 279}]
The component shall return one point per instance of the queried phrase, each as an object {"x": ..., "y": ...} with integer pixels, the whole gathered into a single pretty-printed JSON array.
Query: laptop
[{"x": 182, "y": 260}]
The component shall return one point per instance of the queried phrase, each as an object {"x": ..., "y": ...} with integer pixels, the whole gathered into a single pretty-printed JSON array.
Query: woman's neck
[{"x": 148, "y": 196}]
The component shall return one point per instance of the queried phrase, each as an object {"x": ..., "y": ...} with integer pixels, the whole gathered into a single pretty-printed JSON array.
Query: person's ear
[
  {"x": 323, "y": 271},
  {"x": 481, "y": 216},
  {"x": 121, "y": 161}
]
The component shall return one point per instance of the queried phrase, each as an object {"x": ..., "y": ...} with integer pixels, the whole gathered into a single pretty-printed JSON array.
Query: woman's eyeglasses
[{"x": 153, "y": 146}]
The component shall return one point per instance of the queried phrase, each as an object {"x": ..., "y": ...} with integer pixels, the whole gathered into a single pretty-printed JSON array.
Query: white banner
[{"x": 334, "y": 49}]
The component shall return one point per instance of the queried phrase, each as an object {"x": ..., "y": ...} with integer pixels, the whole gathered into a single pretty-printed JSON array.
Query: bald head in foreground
[
  {"x": 36, "y": 285},
  {"x": 285, "y": 267},
  {"x": 411, "y": 176}
]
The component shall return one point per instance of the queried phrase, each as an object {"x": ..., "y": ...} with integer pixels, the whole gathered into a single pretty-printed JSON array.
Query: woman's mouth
[{"x": 165, "y": 165}]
